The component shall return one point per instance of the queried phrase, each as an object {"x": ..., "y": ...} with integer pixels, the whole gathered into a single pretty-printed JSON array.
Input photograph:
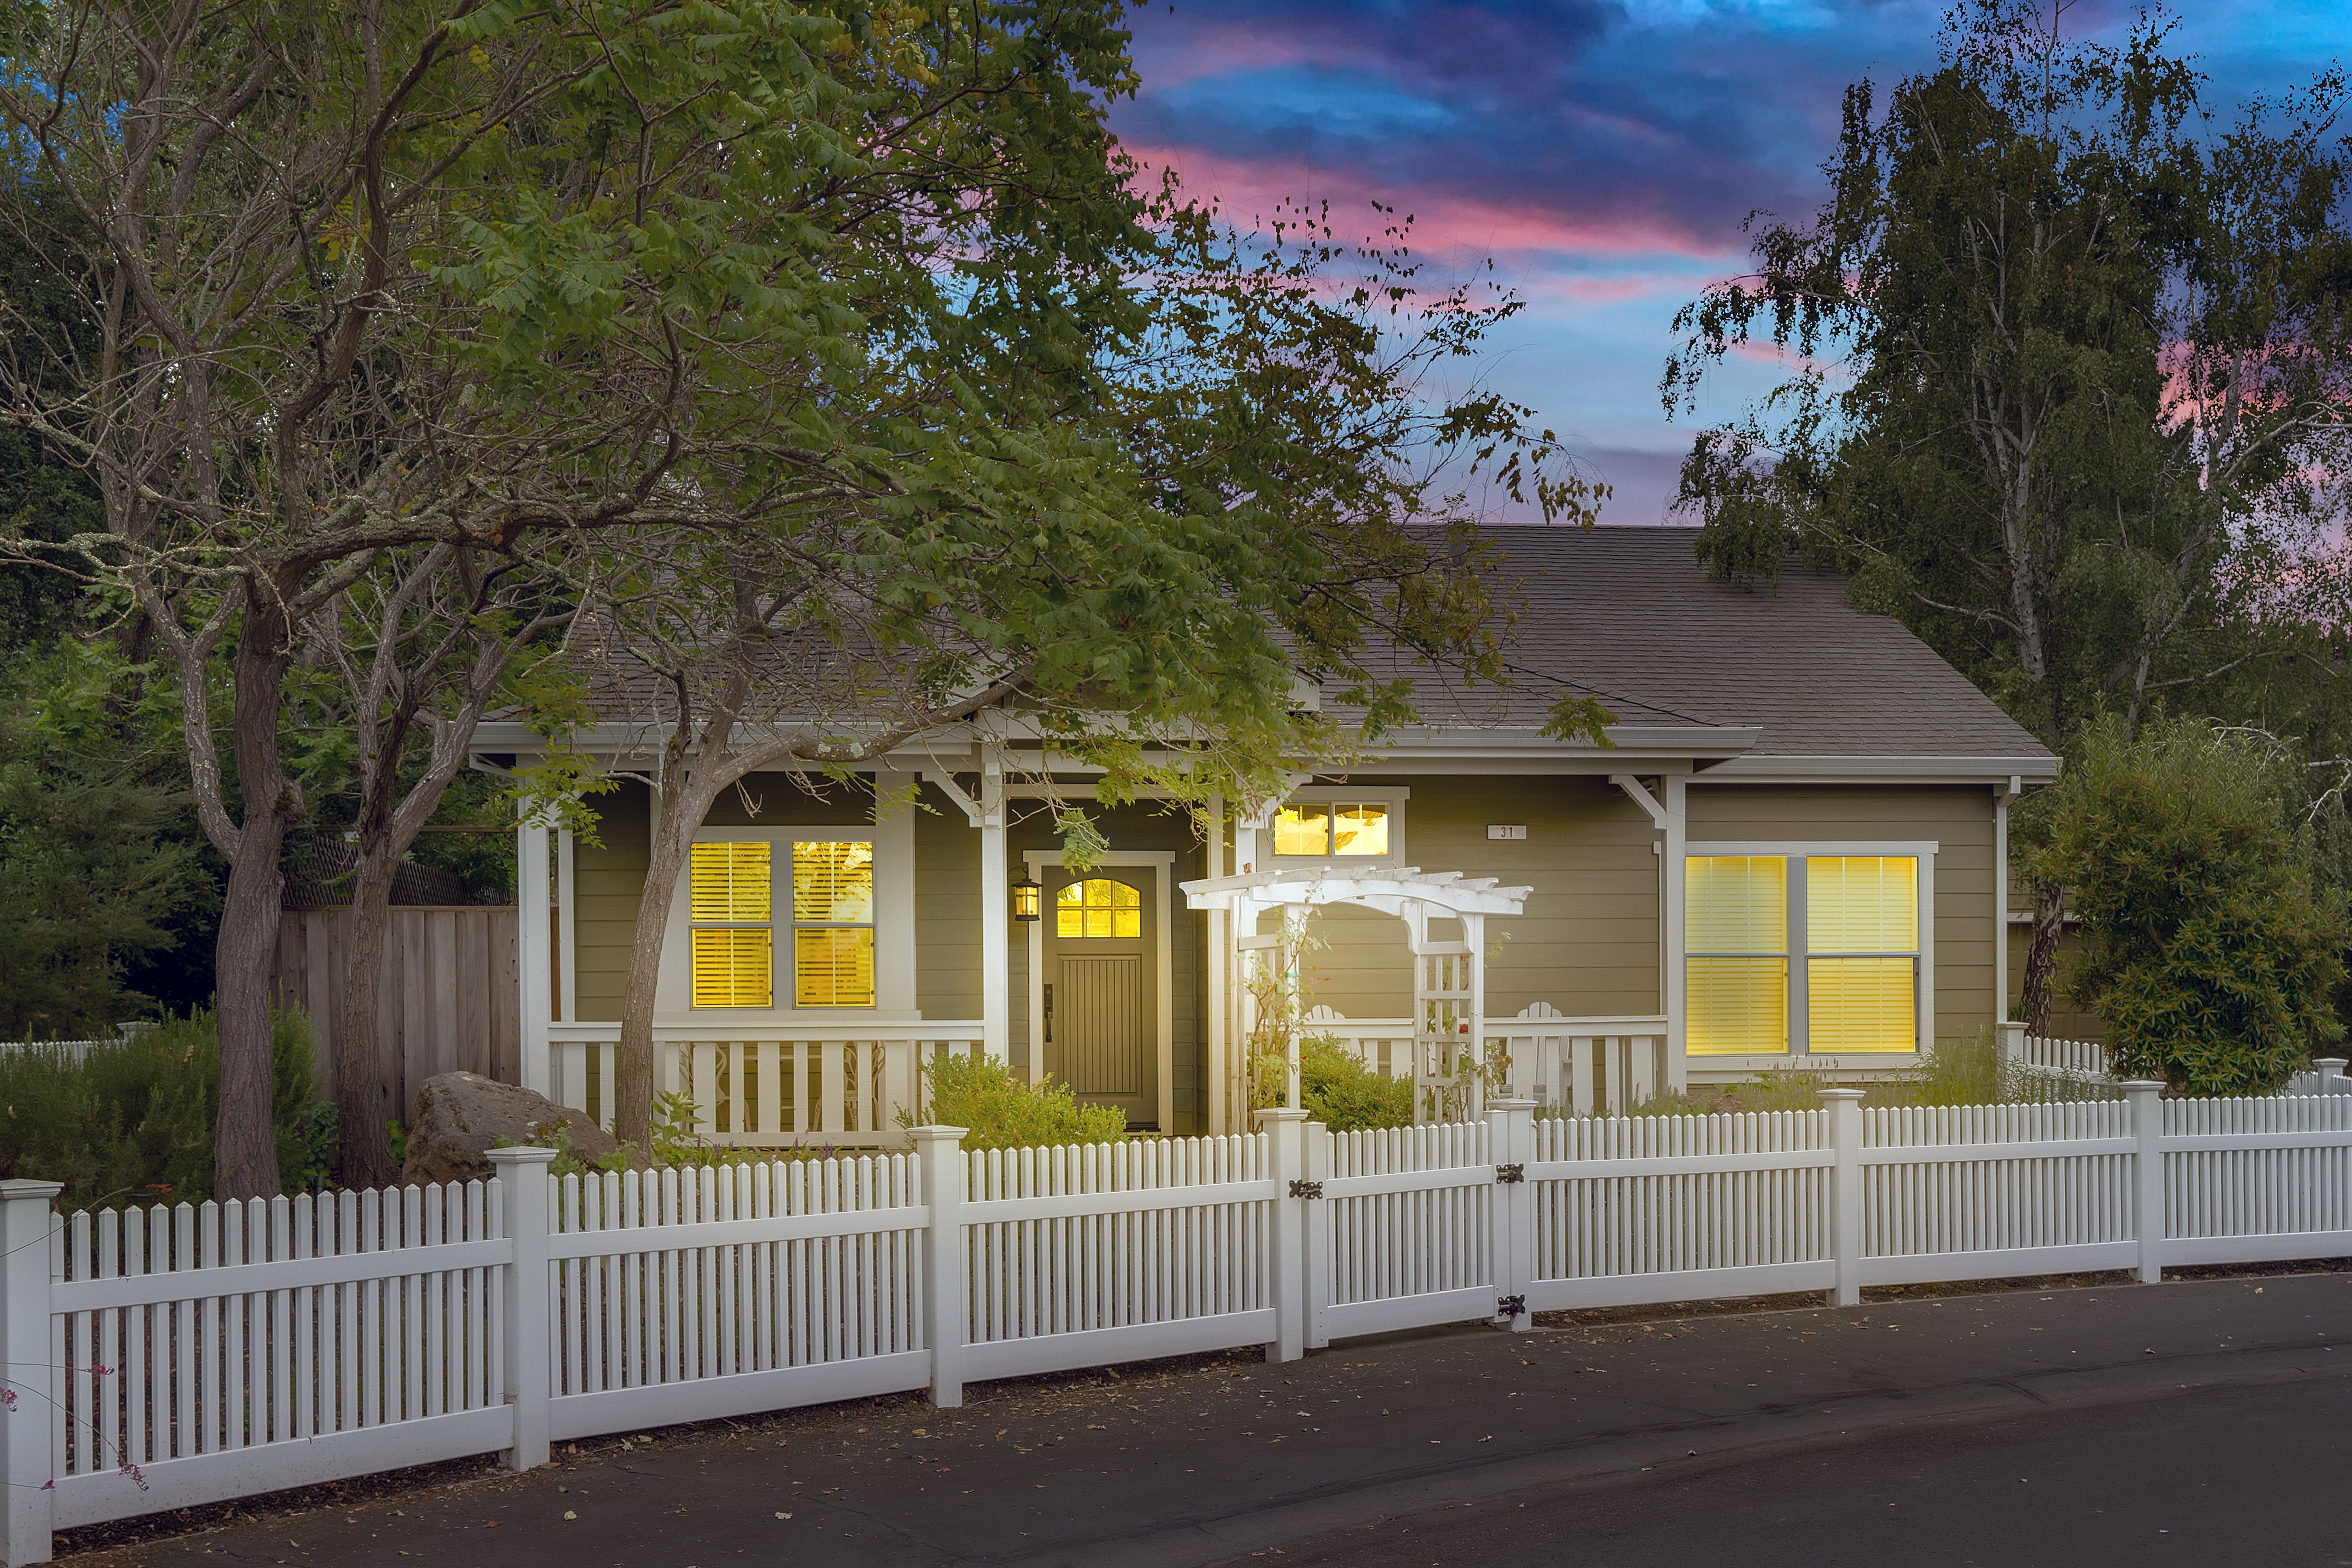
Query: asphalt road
[{"x": 2183, "y": 1423}]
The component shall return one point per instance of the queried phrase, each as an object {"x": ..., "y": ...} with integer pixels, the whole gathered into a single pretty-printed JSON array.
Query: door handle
[{"x": 1049, "y": 1013}]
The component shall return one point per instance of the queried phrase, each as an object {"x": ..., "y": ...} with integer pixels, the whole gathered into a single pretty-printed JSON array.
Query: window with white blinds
[
  {"x": 1862, "y": 952},
  {"x": 734, "y": 916},
  {"x": 1735, "y": 954},
  {"x": 1819, "y": 953}
]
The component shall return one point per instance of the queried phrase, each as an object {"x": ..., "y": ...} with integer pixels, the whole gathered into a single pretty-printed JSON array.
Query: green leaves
[{"x": 2209, "y": 944}]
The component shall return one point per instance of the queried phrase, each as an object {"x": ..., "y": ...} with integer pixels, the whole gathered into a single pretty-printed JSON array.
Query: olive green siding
[
  {"x": 1587, "y": 943},
  {"x": 1959, "y": 819},
  {"x": 946, "y": 910},
  {"x": 610, "y": 878},
  {"x": 1588, "y": 940}
]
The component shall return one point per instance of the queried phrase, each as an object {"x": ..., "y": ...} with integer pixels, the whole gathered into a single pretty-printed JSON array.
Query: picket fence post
[
  {"x": 1511, "y": 1141},
  {"x": 1844, "y": 1111},
  {"x": 2012, "y": 1032},
  {"x": 529, "y": 1326},
  {"x": 2147, "y": 1176},
  {"x": 1287, "y": 1135},
  {"x": 944, "y": 1167},
  {"x": 1315, "y": 1153},
  {"x": 29, "y": 1423}
]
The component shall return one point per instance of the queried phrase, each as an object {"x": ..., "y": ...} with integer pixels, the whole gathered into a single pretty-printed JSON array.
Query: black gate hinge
[
  {"x": 1510, "y": 1172},
  {"x": 1305, "y": 1189},
  {"x": 1510, "y": 1306}
]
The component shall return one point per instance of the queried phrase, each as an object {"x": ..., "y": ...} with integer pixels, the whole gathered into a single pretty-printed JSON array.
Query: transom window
[
  {"x": 1098, "y": 907},
  {"x": 1853, "y": 921},
  {"x": 731, "y": 908},
  {"x": 1333, "y": 827}
]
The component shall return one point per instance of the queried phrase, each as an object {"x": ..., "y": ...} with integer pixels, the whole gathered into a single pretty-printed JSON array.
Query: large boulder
[{"x": 460, "y": 1117}]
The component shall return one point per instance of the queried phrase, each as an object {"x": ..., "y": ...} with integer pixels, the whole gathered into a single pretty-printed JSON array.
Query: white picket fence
[{"x": 164, "y": 1357}]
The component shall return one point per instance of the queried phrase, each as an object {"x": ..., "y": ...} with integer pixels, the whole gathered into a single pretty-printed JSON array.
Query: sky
[{"x": 1603, "y": 153}]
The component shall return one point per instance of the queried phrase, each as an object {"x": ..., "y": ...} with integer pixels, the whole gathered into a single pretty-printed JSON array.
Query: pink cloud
[{"x": 1445, "y": 225}]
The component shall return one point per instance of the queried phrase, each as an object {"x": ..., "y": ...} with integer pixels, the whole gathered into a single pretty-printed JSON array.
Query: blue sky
[{"x": 1602, "y": 153}]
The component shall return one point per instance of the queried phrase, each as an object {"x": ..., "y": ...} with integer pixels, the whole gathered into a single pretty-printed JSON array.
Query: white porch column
[
  {"x": 1670, "y": 915},
  {"x": 995, "y": 917},
  {"x": 535, "y": 952},
  {"x": 1218, "y": 1001},
  {"x": 567, "y": 930}
]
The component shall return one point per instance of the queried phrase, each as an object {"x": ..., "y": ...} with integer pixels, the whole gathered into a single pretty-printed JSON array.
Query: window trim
[
  {"x": 1793, "y": 882},
  {"x": 894, "y": 958},
  {"x": 1393, "y": 796}
]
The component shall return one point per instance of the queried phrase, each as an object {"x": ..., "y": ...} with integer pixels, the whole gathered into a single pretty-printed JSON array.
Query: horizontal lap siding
[
  {"x": 1958, "y": 819},
  {"x": 946, "y": 910},
  {"x": 1588, "y": 940},
  {"x": 610, "y": 881}
]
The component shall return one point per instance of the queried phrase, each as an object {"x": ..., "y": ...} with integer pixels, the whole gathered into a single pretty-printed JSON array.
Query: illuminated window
[
  {"x": 1860, "y": 949},
  {"x": 833, "y": 924},
  {"x": 1323, "y": 827},
  {"x": 727, "y": 902},
  {"x": 731, "y": 908},
  {"x": 1098, "y": 907},
  {"x": 1736, "y": 947},
  {"x": 1862, "y": 952}
]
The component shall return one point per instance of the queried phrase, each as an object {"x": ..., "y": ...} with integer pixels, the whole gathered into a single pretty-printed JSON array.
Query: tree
[
  {"x": 90, "y": 880},
  {"x": 363, "y": 278},
  {"x": 1248, "y": 486},
  {"x": 2083, "y": 378},
  {"x": 2210, "y": 946},
  {"x": 412, "y": 655}
]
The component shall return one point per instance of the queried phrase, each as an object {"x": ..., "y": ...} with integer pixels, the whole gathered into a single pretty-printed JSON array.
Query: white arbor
[{"x": 1449, "y": 978}]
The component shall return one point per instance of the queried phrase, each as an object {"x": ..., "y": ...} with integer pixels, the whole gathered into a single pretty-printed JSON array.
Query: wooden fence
[{"x": 449, "y": 1000}]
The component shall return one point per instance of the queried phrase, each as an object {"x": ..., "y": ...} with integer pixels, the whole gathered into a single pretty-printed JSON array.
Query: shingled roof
[{"x": 1629, "y": 616}]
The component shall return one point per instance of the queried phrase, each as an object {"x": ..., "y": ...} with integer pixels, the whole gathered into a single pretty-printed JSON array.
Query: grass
[{"x": 1967, "y": 1069}]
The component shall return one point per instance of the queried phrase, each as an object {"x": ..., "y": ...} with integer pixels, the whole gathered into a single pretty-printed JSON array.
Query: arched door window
[{"x": 1098, "y": 907}]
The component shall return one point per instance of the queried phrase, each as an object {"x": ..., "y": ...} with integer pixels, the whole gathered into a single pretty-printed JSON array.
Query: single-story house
[{"x": 1791, "y": 855}]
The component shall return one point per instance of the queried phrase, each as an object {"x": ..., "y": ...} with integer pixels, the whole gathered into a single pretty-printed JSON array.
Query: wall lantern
[{"x": 1025, "y": 899}]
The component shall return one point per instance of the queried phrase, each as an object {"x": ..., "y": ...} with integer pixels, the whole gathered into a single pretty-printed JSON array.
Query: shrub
[
  {"x": 1337, "y": 1088},
  {"x": 1001, "y": 1111},
  {"x": 2209, "y": 946},
  {"x": 133, "y": 1122}
]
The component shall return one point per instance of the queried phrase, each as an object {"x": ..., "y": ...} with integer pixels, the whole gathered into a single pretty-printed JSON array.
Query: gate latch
[
  {"x": 1305, "y": 1189},
  {"x": 1512, "y": 1172},
  {"x": 1510, "y": 1306}
]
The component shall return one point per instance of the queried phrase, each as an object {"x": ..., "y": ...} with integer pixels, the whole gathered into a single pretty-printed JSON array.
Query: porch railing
[
  {"x": 1586, "y": 1066},
  {"x": 769, "y": 1086}
]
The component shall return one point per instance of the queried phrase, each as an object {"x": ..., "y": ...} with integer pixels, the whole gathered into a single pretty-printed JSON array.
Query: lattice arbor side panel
[
  {"x": 1092, "y": 1239},
  {"x": 190, "y": 1337},
  {"x": 2289, "y": 1175},
  {"x": 1445, "y": 1043},
  {"x": 1628, "y": 1207},
  {"x": 674, "y": 1278}
]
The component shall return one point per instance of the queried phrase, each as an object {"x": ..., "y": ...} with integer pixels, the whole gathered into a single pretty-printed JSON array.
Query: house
[{"x": 1789, "y": 856}]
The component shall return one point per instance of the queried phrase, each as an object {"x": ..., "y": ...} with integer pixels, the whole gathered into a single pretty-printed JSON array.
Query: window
[
  {"x": 727, "y": 898},
  {"x": 1736, "y": 947},
  {"x": 1862, "y": 952},
  {"x": 1098, "y": 907},
  {"x": 731, "y": 903},
  {"x": 833, "y": 924},
  {"x": 1333, "y": 827},
  {"x": 1853, "y": 923}
]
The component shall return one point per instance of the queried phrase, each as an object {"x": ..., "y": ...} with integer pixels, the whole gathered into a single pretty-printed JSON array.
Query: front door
[{"x": 1101, "y": 990}]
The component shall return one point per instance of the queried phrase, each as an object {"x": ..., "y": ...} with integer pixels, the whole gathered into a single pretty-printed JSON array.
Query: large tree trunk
[
  {"x": 2042, "y": 957},
  {"x": 364, "y": 1097},
  {"x": 244, "y": 1148},
  {"x": 634, "y": 1061}
]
